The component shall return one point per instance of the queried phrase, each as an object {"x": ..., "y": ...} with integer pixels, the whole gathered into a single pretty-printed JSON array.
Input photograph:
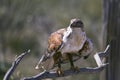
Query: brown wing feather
[
  {"x": 55, "y": 40},
  {"x": 54, "y": 43},
  {"x": 87, "y": 48}
]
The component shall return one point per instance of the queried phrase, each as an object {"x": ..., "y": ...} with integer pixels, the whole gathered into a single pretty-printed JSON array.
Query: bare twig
[
  {"x": 105, "y": 53},
  {"x": 98, "y": 56},
  {"x": 14, "y": 65},
  {"x": 46, "y": 74}
]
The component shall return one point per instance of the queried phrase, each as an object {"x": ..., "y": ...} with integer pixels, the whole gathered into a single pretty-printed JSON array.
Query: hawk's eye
[{"x": 73, "y": 25}]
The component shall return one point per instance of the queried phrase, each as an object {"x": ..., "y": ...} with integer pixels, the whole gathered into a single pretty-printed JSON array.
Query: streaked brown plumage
[
  {"x": 67, "y": 44},
  {"x": 55, "y": 40}
]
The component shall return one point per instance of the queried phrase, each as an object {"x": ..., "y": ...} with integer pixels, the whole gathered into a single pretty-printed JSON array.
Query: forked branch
[{"x": 14, "y": 65}]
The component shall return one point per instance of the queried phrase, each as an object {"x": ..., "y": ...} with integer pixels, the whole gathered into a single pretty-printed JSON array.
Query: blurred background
[{"x": 27, "y": 24}]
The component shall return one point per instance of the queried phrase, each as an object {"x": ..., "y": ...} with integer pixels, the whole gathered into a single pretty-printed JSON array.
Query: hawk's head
[{"x": 76, "y": 23}]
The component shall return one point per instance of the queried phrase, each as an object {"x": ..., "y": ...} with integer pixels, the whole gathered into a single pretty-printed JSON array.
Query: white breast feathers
[
  {"x": 66, "y": 34},
  {"x": 74, "y": 42}
]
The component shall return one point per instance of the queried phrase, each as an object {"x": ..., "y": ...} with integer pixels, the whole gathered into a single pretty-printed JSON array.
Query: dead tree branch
[
  {"x": 46, "y": 74},
  {"x": 101, "y": 66},
  {"x": 14, "y": 65}
]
